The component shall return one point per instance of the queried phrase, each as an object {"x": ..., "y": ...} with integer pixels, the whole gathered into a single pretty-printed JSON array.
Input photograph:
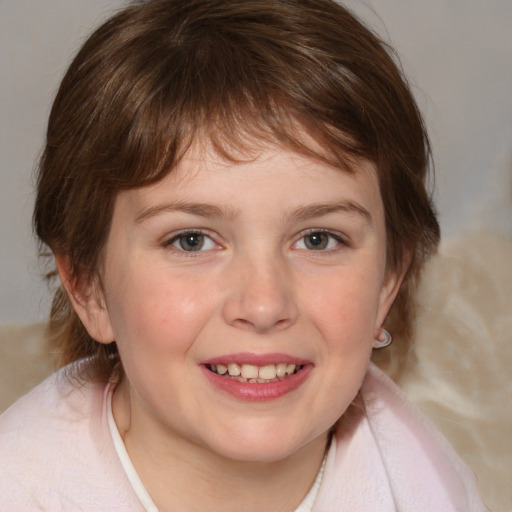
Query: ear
[
  {"x": 88, "y": 301},
  {"x": 392, "y": 282}
]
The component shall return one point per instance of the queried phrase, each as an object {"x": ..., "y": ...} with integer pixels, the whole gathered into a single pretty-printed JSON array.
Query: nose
[{"x": 260, "y": 296}]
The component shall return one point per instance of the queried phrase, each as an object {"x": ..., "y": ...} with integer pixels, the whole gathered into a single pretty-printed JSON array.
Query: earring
[{"x": 383, "y": 339}]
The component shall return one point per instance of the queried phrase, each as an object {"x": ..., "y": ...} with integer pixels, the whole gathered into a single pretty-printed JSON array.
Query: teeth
[
  {"x": 234, "y": 370},
  {"x": 290, "y": 369},
  {"x": 281, "y": 370},
  {"x": 268, "y": 372},
  {"x": 251, "y": 373},
  {"x": 221, "y": 369}
]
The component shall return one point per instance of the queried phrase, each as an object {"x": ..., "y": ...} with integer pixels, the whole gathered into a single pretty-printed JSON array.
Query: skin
[{"x": 257, "y": 285}]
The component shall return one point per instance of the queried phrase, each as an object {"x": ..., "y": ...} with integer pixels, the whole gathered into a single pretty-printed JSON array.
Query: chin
[{"x": 261, "y": 445}]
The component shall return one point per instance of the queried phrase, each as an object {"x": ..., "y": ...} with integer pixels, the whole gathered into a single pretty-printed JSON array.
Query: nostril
[
  {"x": 283, "y": 323},
  {"x": 242, "y": 324},
  {"x": 261, "y": 326}
]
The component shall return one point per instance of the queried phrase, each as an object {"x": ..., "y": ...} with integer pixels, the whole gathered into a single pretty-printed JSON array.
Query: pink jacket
[{"x": 57, "y": 454}]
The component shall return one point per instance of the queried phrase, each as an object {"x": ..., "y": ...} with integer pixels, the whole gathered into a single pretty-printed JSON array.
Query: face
[{"x": 244, "y": 300}]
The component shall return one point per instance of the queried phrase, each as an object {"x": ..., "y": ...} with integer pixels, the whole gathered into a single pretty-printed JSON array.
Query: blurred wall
[{"x": 457, "y": 55}]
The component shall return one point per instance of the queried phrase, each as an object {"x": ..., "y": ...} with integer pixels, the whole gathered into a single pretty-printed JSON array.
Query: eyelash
[
  {"x": 175, "y": 238},
  {"x": 340, "y": 240},
  {"x": 169, "y": 243}
]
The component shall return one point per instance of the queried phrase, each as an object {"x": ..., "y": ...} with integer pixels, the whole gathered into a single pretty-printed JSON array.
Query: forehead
[{"x": 270, "y": 179}]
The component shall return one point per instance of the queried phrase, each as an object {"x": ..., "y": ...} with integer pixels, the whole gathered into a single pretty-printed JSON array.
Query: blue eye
[
  {"x": 192, "y": 242},
  {"x": 318, "y": 241}
]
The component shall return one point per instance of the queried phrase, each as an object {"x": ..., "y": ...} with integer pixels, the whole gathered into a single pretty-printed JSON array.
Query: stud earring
[{"x": 383, "y": 339}]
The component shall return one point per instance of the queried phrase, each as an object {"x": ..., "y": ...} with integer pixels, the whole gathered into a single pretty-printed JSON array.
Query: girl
[{"x": 234, "y": 195}]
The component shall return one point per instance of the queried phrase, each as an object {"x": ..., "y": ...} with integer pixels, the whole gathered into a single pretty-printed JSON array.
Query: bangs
[
  {"x": 236, "y": 133},
  {"x": 201, "y": 74}
]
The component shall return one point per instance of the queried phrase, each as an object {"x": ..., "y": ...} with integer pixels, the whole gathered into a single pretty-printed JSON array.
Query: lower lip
[{"x": 255, "y": 391}]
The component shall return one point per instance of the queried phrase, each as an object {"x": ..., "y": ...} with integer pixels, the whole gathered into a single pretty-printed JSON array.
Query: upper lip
[{"x": 256, "y": 359}]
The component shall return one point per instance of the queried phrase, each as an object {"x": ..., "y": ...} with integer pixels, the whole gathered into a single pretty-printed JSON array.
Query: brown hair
[{"x": 162, "y": 72}]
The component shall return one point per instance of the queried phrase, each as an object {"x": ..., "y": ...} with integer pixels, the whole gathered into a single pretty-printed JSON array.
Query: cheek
[
  {"x": 151, "y": 310},
  {"x": 345, "y": 307}
]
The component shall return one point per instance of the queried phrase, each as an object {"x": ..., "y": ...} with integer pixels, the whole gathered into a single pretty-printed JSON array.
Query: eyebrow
[
  {"x": 321, "y": 209},
  {"x": 199, "y": 209},
  {"x": 211, "y": 211}
]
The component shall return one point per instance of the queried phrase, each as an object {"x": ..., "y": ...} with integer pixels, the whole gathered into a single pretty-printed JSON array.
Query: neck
[{"x": 183, "y": 476}]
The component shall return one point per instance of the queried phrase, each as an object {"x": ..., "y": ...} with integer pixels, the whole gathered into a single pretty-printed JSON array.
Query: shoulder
[
  {"x": 385, "y": 455},
  {"x": 61, "y": 404},
  {"x": 416, "y": 456},
  {"x": 55, "y": 447},
  {"x": 58, "y": 400}
]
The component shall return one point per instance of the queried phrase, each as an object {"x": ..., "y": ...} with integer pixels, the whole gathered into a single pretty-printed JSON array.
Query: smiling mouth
[{"x": 255, "y": 374}]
